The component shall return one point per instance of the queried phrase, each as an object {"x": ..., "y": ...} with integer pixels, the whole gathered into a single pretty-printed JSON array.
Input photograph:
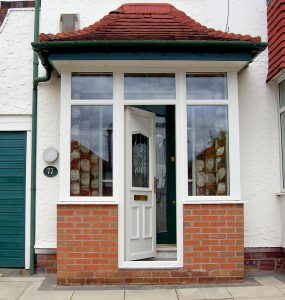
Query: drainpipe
[{"x": 36, "y": 81}]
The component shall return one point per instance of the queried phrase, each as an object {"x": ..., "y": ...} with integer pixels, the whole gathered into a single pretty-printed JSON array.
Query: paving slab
[
  {"x": 203, "y": 294},
  {"x": 98, "y": 295},
  {"x": 281, "y": 288},
  {"x": 268, "y": 280},
  {"x": 12, "y": 290},
  {"x": 254, "y": 292},
  {"x": 22, "y": 279},
  {"x": 33, "y": 293},
  {"x": 151, "y": 295},
  {"x": 271, "y": 298}
]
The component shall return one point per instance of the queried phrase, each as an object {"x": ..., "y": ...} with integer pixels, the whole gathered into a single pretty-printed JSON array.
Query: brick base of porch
[{"x": 88, "y": 246}]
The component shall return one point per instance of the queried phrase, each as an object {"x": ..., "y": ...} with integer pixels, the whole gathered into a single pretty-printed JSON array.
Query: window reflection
[
  {"x": 91, "y": 161},
  {"x": 208, "y": 150},
  {"x": 206, "y": 86},
  {"x": 91, "y": 86},
  {"x": 149, "y": 86}
]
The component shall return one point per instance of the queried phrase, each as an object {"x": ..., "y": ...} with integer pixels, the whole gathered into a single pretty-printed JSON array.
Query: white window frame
[
  {"x": 65, "y": 128},
  {"x": 119, "y": 103},
  {"x": 234, "y": 146},
  {"x": 280, "y": 111}
]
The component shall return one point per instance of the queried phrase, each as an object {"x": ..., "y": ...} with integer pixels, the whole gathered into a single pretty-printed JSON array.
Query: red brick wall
[
  {"x": 88, "y": 246},
  {"x": 263, "y": 259},
  {"x": 276, "y": 37},
  {"x": 46, "y": 263},
  {"x": 214, "y": 240}
]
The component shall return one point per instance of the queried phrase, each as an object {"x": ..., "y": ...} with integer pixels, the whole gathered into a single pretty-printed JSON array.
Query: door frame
[
  {"x": 119, "y": 120},
  {"x": 23, "y": 123}
]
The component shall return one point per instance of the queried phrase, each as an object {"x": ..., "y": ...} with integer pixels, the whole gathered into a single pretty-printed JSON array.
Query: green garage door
[{"x": 12, "y": 199}]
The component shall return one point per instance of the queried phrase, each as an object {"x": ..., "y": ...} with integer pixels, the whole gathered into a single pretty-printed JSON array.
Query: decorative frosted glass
[
  {"x": 91, "y": 148},
  {"x": 282, "y": 94},
  {"x": 208, "y": 137},
  {"x": 161, "y": 175},
  {"x": 149, "y": 86},
  {"x": 140, "y": 160},
  {"x": 91, "y": 86},
  {"x": 206, "y": 86}
]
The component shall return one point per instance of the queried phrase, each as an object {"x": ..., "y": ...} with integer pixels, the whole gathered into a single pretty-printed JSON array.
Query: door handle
[
  {"x": 173, "y": 202},
  {"x": 155, "y": 180}
]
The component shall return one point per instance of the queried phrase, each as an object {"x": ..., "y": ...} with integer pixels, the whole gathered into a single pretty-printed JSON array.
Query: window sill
[
  {"x": 150, "y": 265},
  {"x": 214, "y": 202},
  {"x": 76, "y": 202},
  {"x": 280, "y": 194}
]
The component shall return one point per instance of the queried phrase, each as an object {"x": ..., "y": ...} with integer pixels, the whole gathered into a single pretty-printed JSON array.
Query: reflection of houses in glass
[
  {"x": 211, "y": 168},
  {"x": 207, "y": 151},
  {"x": 91, "y": 151}
]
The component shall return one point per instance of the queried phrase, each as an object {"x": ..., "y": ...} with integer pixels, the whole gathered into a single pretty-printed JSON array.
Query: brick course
[
  {"x": 88, "y": 246},
  {"x": 263, "y": 259},
  {"x": 46, "y": 263}
]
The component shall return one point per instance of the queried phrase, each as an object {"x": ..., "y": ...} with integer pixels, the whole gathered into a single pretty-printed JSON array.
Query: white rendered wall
[
  {"x": 16, "y": 62},
  {"x": 47, "y": 187},
  {"x": 259, "y": 140}
]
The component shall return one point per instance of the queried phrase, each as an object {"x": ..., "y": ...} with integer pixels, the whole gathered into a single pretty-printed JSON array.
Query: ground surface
[{"x": 21, "y": 286}]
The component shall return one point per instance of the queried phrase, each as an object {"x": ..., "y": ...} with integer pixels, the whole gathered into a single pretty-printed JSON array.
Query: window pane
[
  {"x": 91, "y": 148},
  {"x": 282, "y": 123},
  {"x": 149, "y": 86},
  {"x": 282, "y": 94},
  {"x": 208, "y": 150},
  {"x": 206, "y": 86},
  {"x": 140, "y": 169},
  {"x": 91, "y": 86}
]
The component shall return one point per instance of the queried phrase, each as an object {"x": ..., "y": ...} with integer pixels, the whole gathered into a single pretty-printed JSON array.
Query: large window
[
  {"x": 282, "y": 127},
  {"x": 207, "y": 135},
  {"x": 91, "y": 135}
]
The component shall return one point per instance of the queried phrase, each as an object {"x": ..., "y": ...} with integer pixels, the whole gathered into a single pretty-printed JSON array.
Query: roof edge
[
  {"x": 43, "y": 49},
  {"x": 129, "y": 43}
]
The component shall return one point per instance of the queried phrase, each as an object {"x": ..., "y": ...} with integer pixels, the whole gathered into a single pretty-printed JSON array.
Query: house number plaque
[{"x": 50, "y": 171}]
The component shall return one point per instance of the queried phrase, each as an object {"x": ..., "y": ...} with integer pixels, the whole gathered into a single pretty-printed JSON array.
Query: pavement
[{"x": 24, "y": 287}]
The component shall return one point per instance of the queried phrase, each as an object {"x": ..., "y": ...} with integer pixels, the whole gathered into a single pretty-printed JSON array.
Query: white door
[{"x": 140, "y": 184}]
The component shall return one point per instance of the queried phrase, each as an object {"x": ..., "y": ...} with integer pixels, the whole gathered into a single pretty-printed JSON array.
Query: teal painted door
[{"x": 12, "y": 199}]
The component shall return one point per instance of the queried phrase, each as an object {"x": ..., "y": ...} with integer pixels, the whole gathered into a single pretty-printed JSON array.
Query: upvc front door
[{"x": 140, "y": 184}]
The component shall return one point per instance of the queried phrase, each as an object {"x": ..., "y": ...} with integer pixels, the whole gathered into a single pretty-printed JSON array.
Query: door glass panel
[
  {"x": 140, "y": 160},
  {"x": 149, "y": 86},
  {"x": 161, "y": 168},
  {"x": 92, "y": 86},
  {"x": 208, "y": 150},
  {"x": 206, "y": 86},
  {"x": 91, "y": 147}
]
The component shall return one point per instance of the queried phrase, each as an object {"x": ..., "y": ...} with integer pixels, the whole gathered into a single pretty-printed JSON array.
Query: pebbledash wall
[{"x": 260, "y": 163}]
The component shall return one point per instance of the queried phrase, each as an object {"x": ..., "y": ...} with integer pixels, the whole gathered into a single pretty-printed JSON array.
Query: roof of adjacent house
[{"x": 147, "y": 21}]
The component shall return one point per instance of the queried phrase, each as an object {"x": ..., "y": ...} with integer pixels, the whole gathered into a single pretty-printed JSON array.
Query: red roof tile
[{"x": 147, "y": 21}]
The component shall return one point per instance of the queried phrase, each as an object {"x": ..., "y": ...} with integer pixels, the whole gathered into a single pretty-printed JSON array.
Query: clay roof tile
[{"x": 146, "y": 21}]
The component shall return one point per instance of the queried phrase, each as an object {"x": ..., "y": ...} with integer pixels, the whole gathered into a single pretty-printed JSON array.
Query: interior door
[{"x": 140, "y": 184}]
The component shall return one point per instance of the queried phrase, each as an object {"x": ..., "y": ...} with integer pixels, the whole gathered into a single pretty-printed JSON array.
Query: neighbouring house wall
[
  {"x": 16, "y": 62},
  {"x": 258, "y": 115}
]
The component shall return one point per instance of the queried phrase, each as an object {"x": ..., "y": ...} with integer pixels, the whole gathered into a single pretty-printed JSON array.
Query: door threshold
[{"x": 166, "y": 252}]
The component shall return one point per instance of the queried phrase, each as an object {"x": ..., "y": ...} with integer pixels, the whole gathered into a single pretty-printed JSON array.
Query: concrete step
[{"x": 166, "y": 252}]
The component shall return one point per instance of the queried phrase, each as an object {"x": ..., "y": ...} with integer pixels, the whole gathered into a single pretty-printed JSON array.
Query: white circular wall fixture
[{"x": 50, "y": 155}]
